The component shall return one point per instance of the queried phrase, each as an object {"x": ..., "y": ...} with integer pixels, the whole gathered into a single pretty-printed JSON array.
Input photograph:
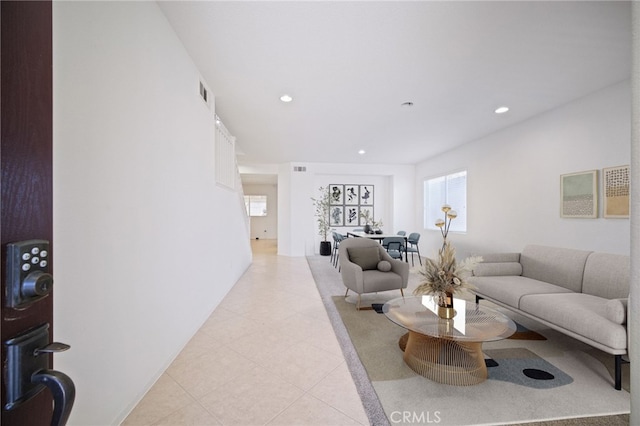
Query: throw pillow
[
  {"x": 365, "y": 257},
  {"x": 384, "y": 266},
  {"x": 616, "y": 310}
]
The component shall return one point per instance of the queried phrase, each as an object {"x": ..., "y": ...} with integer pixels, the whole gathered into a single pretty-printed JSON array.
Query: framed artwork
[
  {"x": 351, "y": 195},
  {"x": 363, "y": 211},
  {"x": 347, "y": 202},
  {"x": 579, "y": 195},
  {"x": 336, "y": 194},
  {"x": 336, "y": 216},
  {"x": 366, "y": 195},
  {"x": 615, "y": 185},
  {"x": 351, "y": 216}
]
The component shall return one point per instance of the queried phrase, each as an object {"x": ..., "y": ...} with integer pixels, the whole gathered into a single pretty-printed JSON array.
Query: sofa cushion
[
  {"x": 554, "y": 265},
  {"x": 510, "y": 289},
  {"x": 616, "y": 310},
  {"x": 384, "y": 266},
  {"x": 365, "y": 257},
  {"x": 582, "y": 314},
  {"x": 607, "y": 275},
  {"x": 375, "y": 280},
  {"x": 497, "y": 269}
]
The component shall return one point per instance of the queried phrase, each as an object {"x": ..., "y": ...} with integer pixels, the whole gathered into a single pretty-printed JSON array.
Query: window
[
  {"x": 452, "y": 190},
  {"x": 256, "y": 205}
]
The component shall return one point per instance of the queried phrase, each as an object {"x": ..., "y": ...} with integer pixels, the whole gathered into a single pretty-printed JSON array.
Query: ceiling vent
[{"x": 299, "y": 168}]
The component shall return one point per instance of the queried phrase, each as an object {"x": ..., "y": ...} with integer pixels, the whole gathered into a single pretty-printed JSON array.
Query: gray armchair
[{"x": 363, "y": 271}]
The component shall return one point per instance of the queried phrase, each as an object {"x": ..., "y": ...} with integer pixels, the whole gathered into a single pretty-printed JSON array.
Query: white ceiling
[{"x": 350, "y": 65}]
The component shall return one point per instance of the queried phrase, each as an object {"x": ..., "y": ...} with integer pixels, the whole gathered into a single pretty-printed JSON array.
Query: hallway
[{"x": 266, "y": 356}]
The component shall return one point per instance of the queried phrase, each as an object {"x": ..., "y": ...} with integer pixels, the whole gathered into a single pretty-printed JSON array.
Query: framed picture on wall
[
  {"x": 351, "y": 216},
  {"x": 351, "y": 195},
  {"x": 366, "y": 195},
  {"x": 363, "y": 213},
  {"x": 336, "y": 216},
  {"x": 336, "y": 194},
  {"x": 615, "y": 185},
  {"x": 579, "y": 195}
]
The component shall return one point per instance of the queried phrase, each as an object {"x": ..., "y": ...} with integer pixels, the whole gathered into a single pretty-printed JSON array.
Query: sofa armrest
[
  {"x": 352, "y": 276},
  {"x": 497, "y": 269},
  {"x": 498, "y": 264},
  {"x": 500, "y": 257},
  {"x": 401, "y": 268},
  {"x": 616, "y": 310}
]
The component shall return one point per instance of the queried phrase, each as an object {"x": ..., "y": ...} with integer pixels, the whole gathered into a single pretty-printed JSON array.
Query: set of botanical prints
[{"x": 350, "y": 204}]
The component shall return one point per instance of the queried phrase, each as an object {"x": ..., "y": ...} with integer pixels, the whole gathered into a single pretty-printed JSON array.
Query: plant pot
[
  {"x": 367, "y": 229},
  {"x": 445, "y": 307},
  {"x": 446, "y": 313},
  {"x": 325, "y": 248}
]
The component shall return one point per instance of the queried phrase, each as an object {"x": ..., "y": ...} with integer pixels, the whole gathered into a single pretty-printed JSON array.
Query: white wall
[
  {"x": 136, "y": 208},
  {"x": 264, "y": 227},
  {"x": 514, "y": 178}
]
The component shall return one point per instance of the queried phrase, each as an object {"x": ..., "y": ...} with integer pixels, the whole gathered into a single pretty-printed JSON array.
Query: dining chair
[
  {"x": 394, "y": 246},
  {"x": 402, "y": 233},
  {"x": 412, "y": 246},
  {"x": 337, "y": 238}
]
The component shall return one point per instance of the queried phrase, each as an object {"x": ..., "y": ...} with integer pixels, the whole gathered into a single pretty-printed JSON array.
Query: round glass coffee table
[{"x": 447, "y": 351}]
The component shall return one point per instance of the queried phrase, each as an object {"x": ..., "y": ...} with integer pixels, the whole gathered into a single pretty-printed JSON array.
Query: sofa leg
[
  {"x": 402, "y": 293},
  {"x": 618, "y": 372},
  {"x": 347, "y": 292},
  {"x": 478, "y": 298},
  {"x": 358, "y": 303}
]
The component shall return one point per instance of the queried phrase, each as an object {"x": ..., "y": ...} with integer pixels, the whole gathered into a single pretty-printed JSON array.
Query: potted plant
[
  {"x": 444, "y": 276},
  {"x": 371, "y": 226},
  {"x": 322, "y": 206}
]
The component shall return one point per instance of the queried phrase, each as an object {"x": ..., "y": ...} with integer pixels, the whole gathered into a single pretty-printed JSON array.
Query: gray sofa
[{"x": 582, "y": 294}]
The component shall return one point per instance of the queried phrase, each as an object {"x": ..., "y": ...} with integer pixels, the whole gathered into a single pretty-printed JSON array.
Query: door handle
[
  {"x": 27, "y": 373},
  {"x": 63, "y": 391}
]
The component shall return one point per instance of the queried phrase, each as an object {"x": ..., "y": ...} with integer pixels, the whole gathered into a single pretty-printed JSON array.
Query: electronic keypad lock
[{"x": 28, "y": 277}]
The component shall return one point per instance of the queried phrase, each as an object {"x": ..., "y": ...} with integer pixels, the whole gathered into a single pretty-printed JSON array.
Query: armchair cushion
[
  {"x": 365, "y": 257},
  {"x": 384, "y": 266}
]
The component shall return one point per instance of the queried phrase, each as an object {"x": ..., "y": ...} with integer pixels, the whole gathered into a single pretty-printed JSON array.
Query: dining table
[{"x": 379, "y": 237}]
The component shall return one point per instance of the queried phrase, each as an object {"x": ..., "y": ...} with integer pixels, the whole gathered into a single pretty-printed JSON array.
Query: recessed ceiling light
[
  {"x": 286, "y": 98},
  {"x": 361, "y": 152},
  {"x": 406, "y": 104},
  {"x": 501, "y": 110}
]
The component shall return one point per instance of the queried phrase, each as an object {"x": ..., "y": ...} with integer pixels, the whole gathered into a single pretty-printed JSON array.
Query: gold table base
[{"x": 444, "y": 360}]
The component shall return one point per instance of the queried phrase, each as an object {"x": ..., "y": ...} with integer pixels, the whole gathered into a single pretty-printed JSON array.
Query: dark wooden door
[{"x": 26, "y": 162}]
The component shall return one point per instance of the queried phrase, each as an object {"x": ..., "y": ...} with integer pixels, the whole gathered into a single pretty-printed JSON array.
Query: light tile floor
[{"x": 266, "y": 356}]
